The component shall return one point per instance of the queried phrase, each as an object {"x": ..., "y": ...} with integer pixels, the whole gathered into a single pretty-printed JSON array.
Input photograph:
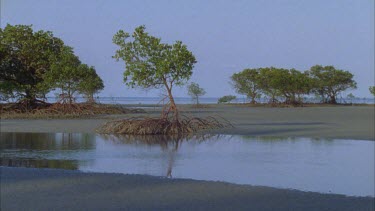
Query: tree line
[
  {"x": 288, "y": 86},
  {"x": 33, "y": 63},
  {"x": 291, "y": 85}
]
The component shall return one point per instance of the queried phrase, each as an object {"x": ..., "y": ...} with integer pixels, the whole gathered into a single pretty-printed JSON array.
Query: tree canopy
[
  {"x": 25, "y": 56},
  {"x": 149, "y": 63},
  {"x": 351, "y": 97},
  {"x": 291, "y": 85},
  {"x": 65, "y": 74},
  {"x": 70, "y": 76},
  {"x": 226, "y": 99},
  {"x": 329, "y": 81},
  {"x": 372, "y": 90},
  {"x": 195, "y": 91},
  {"x": 34, "y": 63},
  {"x": 247, "y": 82},
  {"x": 91, "y": 84}
]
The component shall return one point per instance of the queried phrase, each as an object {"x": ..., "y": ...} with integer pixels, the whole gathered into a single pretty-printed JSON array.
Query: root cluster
[
  {"x": 162, "y": 126},
  {"x": 58, "y": 110},
  {"x": 163, "y": 140}
]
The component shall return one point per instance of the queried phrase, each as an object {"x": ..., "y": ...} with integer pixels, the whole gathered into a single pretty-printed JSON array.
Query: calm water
[{"x": 319, "y": 165}]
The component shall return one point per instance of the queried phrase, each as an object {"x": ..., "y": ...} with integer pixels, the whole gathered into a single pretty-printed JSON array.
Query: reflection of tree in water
[
  {"x": 47, "y": 141},
  {"x": 281, "y": 139},
  {"x": 168, "y": 143},
  {"x": 270, "y": 139},
  {"x": 34, "y": 150},
  {"x": 171, "y": 151},
  {"x": 36, "y": 163}
]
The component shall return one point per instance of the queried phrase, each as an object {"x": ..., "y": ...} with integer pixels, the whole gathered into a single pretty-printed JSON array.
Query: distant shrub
[
  {"x": 372, "y": 90},
  {"x": 226, "y": 99}
]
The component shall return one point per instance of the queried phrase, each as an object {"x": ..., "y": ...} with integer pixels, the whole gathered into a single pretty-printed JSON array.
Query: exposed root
[
  {"x": 162, "y": 126},
  {"x": 58, "y": 110}
]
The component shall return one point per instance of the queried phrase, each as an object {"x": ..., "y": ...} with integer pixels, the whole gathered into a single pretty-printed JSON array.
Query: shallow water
[{"x": 319, "y": 165}]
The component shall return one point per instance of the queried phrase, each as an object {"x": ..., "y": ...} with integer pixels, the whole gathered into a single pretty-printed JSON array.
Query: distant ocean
[
  {"x": 188, "y": 100},
  {"x": 202, "y": 100},
  {"x": 143, "y": 100}
]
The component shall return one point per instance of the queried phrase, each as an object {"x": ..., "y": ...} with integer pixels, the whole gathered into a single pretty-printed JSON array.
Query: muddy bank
[
  {"x": 344, "y": 122},
  {"x": 43, "y": 189}
]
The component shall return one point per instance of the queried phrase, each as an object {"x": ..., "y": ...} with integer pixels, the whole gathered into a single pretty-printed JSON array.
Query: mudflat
[
  {"x": 342, "y": 122},
  {"x": 47, "y": 189}
]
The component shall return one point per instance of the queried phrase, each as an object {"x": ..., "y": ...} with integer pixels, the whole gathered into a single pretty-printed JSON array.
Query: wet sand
[
  {"x": 343, "y": 122},
  {"x": 42, "y": 189},
  {"x": 47, "y": 189}
]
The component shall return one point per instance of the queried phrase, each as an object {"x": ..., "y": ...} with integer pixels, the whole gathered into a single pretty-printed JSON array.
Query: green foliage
[
  {"x": 149, "y": 63},
  {"x": 65, "y": 74},
  {"x": 25, "y": 56},
  {"x": 6, "y": 91},
  {"x": 226, "y": 99},
  {"x": 329, "y": 82},
  {"x": 195, "y": 91},
  {"x": 91, "y": 83},
  {"x": 268, "y": 83},
  {"x": 70, "y": 76},
  {"x": 372, "y": 90},
  {"x": 351, "y": 97},
  {"x": 291, "y": 84},
  {"x": 247, "y": 82},
  {"x": 34, "y": 63}
]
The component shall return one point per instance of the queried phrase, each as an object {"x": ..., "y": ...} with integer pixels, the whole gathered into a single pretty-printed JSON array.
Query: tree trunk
[
  {"x": 70, "y": 94},
  {"x": 29, "y": 100},
  {"x": 333, "y": 99},
  {"x": 293, "y": 99},
  {"x": 70, "y": 97},
  {"x": 173, "y": 106},
  {"x": 90, "y": 98},
  {"x": 253, "y": 100},
  {"x": 323, "y": 98}
]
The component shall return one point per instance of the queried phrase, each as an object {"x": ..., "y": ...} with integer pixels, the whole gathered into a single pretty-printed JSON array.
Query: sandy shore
[
  {"x": 46, "y": 189},
  {"x": 344, "y": 122},
  {"x": 41, "y": 189}
]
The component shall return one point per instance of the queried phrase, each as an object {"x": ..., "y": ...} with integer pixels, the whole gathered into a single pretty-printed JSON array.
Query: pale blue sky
[{"x": 226, "y": 36}]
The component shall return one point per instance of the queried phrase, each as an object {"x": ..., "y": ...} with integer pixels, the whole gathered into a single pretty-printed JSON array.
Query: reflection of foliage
[
  {"x": 46, "y": 141},
  {"x": 168, "y": 143},
  {"x": 163, "y": 140},
  {"x": 273, "y": 139},
  {"x": 27, "y": 149},
  {"x": 269, "y": 138},
  {"x": 34, "y": 163}
]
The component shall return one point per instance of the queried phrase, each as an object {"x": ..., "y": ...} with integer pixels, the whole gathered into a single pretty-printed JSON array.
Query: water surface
[{"x": 319, "y": 165}]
